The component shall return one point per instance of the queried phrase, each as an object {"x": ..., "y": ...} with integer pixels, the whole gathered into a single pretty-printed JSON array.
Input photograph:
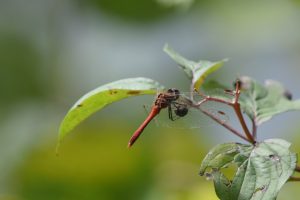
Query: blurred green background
[{"x": 54, "y": 51}]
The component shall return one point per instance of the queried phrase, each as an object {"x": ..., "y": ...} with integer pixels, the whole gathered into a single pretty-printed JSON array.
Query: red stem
[
  {"x": 237, "y": 108},
  {"x": 254, "y": 129},
  {"x": 154, "y": 111},
  {"x": 209, "y": 98},
  {"x": 230, "y": 128}
]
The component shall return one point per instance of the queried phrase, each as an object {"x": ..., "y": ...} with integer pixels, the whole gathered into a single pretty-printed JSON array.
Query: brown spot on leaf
[
  {"x": 261, "y": 189},
  {"x": 221, "y": 112},
  {"x": 112, "y": 92},
  {"x": 79, "y": 105},
  {"x": 134, "y": 92}
]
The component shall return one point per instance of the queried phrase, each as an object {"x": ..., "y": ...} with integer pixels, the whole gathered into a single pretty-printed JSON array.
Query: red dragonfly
[
  {"x": 179, "y": 104},
  {"x": 164, "y": 100}
]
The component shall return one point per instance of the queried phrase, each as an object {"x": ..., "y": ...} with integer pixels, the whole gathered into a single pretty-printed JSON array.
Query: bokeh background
[{"x": 54, "y": 51}]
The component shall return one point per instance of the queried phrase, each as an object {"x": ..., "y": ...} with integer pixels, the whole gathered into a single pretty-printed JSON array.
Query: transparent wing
[
  {"x": 198, "y": 96},
  {"x": 195, "y": 117}
]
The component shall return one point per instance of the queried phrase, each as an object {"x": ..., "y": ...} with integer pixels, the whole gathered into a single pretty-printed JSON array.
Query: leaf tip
[
  {"x": 225, "y": 60},
  {"x": 62, "y": 132},
  {"x": 167, "y": 49},
  {"x": 166, "y": 46}
]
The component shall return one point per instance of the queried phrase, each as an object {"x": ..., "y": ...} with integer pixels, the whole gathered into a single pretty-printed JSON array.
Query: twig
[
  {"x": 230, "y": 128},
  {"x": 237, "y": 109},
  {"x": 254, "y": 129},
  {"x": 239, "y": 114},
  {"x": 209, "y": 98}
]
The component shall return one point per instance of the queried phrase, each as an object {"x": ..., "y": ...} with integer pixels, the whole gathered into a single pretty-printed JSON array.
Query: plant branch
[
  {"x": 237, "y": 109},
  {"x": 209, "y": 98},
  {"x": 254, "y": 129},
  {"x": 222, "y": 123}
]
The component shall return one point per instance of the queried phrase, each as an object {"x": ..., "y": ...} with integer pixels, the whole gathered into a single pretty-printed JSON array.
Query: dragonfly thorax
[{"x": 164, "y": 99}]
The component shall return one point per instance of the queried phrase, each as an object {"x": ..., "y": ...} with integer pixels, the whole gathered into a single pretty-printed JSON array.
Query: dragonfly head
[{"x": 174, "y": 92}]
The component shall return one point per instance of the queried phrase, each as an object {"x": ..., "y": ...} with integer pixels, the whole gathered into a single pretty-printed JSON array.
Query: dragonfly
[
  {"x": 177, "y": 105},
  {"x": 164, "y": 100}
]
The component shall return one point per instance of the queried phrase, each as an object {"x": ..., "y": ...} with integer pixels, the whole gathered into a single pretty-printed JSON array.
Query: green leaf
[
  {"x": 262, "y": 169},
  {"x": 217, "y": 90},
  {"x": 271, "y": 163},
  {"x": 222, "y": 155},
  {"x": 104, "y": 95},
  {"x": 226, "y": 189},
  {"x": 262, "y": 102},
  {"x": 196, "y": 71}
]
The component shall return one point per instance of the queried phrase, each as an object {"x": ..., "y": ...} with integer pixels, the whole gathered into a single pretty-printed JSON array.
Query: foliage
[
  {"x": 262, "y": 169},
  {"x": 196, "y": 71},
  {"x": 104, "y": 95},
  {"x": 262, "y": 166},
  {"x": 262, "y": 102}
]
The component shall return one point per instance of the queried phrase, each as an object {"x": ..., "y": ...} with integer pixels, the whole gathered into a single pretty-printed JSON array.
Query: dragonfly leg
[{"x": 170, "y": 112}]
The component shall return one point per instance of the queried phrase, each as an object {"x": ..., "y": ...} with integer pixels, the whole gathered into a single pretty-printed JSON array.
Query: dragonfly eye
[
  {"x": 175, "y": 92},
  {"x": 171, "y": 90}
]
